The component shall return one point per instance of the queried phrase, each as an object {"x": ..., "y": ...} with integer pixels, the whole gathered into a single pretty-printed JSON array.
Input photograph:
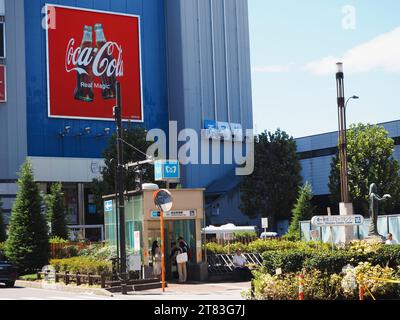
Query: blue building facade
[
  {"x": 195, "y": 65},
  {"x": 316, "y": 153}
]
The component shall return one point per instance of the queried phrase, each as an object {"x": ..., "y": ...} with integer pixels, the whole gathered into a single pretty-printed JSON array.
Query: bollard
[
  {"x": 66, "y": 278},
  {"x": 361, "y": 293},
  {"x": 301, "y": 287}
]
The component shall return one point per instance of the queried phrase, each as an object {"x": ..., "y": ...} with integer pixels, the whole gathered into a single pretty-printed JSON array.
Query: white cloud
[
  {"x": 380, "y": 53},
  {"x": 277, "y": 68}
]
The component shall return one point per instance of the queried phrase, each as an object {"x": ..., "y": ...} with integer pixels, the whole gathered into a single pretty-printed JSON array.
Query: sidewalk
[
  {"x": 174, "y": 291},
  {"x": 198, "y": 291}
]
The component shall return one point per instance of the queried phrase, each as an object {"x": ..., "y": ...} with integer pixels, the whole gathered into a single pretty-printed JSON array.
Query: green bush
[
  {"x": 244, "y": 234},
  {"x": 82, "y": 265},
  {"x": 328, "y": 261},
  {"x": 288, "y": 260},
  {"x": 317, "y": 286},
  {"x": 57, "y": 240},
  {"x": 215, "y": 248}
]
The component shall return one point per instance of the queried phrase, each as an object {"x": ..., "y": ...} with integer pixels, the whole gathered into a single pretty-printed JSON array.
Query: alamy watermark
[
  {"x": 349, "y": 20},
  {"x": 194, "y": 149}
]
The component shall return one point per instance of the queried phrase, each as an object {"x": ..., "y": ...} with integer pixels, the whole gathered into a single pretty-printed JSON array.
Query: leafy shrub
[
  {"x": 82, "y": 265},
  {"x": 57, "y": 240},
  {"x": 366, "y": 275},
  {"x": 328, "y": 261},
  {"x": 288, "y": 260},
  {"x": 317, "y": 286},
  {"x": 101, "y": 252},
  {"x": 244, "y": 234},
  {"x": 232, "y": 247},
  {"x": 216, "y": 248},
  {"x": 260, "y": 246},
  {"x": 272, "y": 287}
]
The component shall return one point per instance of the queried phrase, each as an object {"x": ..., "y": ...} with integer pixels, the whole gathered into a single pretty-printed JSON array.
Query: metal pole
[
  {"x": 162, "y": 250},
  {"x": 120, "y": 184},
  {"x": 342, "y": 137},
  {"x": 117, "y": 210},
  {"x": 330, "y": 229}
]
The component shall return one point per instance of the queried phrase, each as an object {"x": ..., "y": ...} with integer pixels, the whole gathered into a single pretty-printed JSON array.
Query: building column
[{"x": 81, "y": 206}]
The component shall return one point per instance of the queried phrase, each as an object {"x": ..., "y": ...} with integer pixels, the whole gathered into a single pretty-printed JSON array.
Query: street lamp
[
  {"x": 344, "y": 188},
  {"x": 345, "y": 207}
]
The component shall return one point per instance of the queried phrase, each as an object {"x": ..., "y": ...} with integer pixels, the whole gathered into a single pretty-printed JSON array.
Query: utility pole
[{"x": 121, "y": 188}]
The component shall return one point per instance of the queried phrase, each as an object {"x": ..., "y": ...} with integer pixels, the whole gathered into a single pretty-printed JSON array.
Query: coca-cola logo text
[{"x": 79, "y": 59}]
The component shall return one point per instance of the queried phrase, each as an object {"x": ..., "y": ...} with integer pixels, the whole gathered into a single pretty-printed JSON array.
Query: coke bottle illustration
[
  {"x": 107, "y": 81},
  {"x": 84, "y": 87}
]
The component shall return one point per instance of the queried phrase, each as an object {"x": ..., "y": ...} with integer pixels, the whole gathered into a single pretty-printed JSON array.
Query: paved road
[{"x": 217, "y": 291}]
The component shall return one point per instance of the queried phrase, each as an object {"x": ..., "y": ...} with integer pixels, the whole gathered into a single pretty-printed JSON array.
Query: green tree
[
  {"x": 27, "y": 245},
  {"x": 56, "y": 213},
  {"x": 271, "y": 190},
  {"x": 3, "y": 235},
  {"x": 303, "y": 210},
  {"x": 370, "y": 160},
  {"x": 136, "y": 136}
]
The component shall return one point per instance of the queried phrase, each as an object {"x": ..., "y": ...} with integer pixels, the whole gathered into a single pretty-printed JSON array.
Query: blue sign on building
[
  {"x": 108, "y": 206},
  {"x": 210, "y": 124},
  {"x": 166, "y": 170}
]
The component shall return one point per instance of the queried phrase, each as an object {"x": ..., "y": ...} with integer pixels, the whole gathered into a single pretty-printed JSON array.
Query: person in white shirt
[
  {"x": 242, "y": 272},
  {"x": 238, "y": 259},
  {"x": 389, "y": 239}
]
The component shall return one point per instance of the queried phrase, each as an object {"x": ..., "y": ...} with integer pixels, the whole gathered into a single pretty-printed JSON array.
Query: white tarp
[{"x": 227, "y": 228}]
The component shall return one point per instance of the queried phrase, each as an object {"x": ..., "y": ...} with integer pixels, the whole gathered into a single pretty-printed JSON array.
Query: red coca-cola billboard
[{"x": 87, "y": 52}]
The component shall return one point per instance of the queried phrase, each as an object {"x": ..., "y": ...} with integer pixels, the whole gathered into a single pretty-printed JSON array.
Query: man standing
[{"x": 182, "y": 259}]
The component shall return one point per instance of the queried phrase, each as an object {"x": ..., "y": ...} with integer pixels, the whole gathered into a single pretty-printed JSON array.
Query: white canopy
[{"x": 227, "y": 228}]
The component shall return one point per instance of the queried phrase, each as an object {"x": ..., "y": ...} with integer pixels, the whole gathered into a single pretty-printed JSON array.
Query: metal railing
[{"x": 223, "y": 263}]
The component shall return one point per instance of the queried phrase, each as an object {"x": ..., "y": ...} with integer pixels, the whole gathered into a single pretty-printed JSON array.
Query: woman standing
[{"x": 156, "y": 254}]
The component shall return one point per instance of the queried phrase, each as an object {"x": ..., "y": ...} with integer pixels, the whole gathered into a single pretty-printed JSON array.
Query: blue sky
[{"x": 294, "y": 47}]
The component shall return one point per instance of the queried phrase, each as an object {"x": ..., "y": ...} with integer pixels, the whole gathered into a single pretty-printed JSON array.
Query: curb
[{"x": 62, "y": 287}]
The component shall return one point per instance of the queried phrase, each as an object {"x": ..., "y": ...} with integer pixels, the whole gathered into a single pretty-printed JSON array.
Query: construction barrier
[
  {"x": 301, "y": 287},
  {"x": 376, "y": 279}
]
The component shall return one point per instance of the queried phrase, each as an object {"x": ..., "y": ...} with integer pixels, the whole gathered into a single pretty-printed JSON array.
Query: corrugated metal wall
[
  {"x": 13, "y": 137},
  {"x": 43, "y": 139},
  {"x": 209, "y": 75}
]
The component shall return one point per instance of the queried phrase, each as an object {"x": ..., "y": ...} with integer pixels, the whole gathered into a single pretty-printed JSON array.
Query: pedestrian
[
  {"x": 182, "y": 259},
  {"x": 175, "y": 250},
  {"x": 389, "y": 239},
  {"x": 241, "y": 272},
  {"x": 156, "y": 255}
]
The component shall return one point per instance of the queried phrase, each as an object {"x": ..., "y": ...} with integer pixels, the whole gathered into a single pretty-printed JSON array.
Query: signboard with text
[
  {"x": 87, "y": 53},
  {"x": 331, "y": 221},
  {"x": 175, "y": 214},
  {"x": 264, "y": 223}
]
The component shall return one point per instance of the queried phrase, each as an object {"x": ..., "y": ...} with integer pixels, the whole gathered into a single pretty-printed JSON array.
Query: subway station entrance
[{"x": 142, "y": 223}]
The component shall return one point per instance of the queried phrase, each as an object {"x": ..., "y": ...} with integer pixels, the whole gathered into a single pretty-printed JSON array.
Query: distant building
[
  {"x": 192, "y": 66},
  {"x": 316, "y": 153}
]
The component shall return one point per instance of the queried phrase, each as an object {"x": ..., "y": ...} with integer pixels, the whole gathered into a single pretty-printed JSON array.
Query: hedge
[
  {"x": 81, "y": 264},
  {"x": 260, "y": 246},
  {"x": 295, "y": 260}
]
